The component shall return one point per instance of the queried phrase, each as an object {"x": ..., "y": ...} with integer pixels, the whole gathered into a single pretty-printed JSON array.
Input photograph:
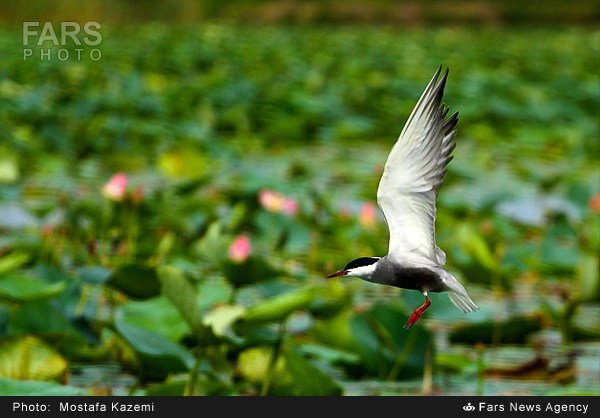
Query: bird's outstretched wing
[{"x": 413, "y": 174}]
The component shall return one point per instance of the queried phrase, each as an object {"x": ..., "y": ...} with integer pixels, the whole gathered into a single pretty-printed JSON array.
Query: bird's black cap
[{"x": 361, "y": 262}]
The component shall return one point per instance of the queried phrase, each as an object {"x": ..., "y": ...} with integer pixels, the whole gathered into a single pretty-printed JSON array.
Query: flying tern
[{"x": 407, "y": 192}]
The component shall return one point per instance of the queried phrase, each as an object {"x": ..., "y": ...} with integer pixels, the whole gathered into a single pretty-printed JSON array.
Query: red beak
[{"x": 338, "y": 273}]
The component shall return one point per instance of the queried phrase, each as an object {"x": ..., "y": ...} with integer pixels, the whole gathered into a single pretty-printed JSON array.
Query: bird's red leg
[{"x": 416, "y": 315}]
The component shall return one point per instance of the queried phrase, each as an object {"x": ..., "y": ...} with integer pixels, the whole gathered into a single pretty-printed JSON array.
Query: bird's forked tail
[{"x": 458, "y": 295}]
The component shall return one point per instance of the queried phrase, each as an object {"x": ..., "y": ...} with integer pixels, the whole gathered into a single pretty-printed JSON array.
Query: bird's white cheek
[{"x": 363, "y": 272}]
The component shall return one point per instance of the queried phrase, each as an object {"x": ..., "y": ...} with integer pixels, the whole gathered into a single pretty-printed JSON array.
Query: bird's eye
[{"x": 361, "y": 262}]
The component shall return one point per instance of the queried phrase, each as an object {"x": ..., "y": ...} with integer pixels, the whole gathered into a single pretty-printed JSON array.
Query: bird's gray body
[{"x": 395, "y": 274}]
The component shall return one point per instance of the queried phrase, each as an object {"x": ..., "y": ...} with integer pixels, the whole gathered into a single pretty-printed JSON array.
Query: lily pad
[
  {"x": 11, "y": 387},
  {"x": 254, "y": 270},
  {"x": 12, "y": 261},
  {"x": 136, "y": 280},
  {"x": 510, "y": 331},
  {"x": 330, "y": 299},
  {"x": 183, "y": 293},
  {"x": 156, "y": 314},
  {"x": 157, "y": 355},
  {"x": 17, "y": 287},
  {"x": 26, "y": 357},
  {"x": 280, "y": 307},
  {"x": 293, "y": 375},
  {"x": 387, "y": 349}
]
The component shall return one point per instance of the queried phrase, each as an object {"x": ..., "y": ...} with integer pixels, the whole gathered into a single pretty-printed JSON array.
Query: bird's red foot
[{"x": 416, "y": 315}]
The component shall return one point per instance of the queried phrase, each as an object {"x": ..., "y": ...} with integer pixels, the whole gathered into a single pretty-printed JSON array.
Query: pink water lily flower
[
  {"x": 116, "y": 187},
  {"x": 277, "y": 202},
  {"x": 368, "y": 215},
  {"x": 289, "y": 206},
  {"x": 240, "y": 249},
  {"x": 270, "y": 200}
]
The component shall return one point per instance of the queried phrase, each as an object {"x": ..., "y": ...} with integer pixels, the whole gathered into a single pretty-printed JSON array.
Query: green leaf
[
  {"x": 387, "y": 349},
  {"x": 560, "y": 252},
  {"x": 585, "y": 322},
  {"x": 306, "y": 379},
  {"x": 213, "y": 291},
  {"x": 183, "y": 293},
  {"x": 20, "y": 288},
  {"x": 222, "y": 317},
  {"x": 474, "y": 244},
  {"x": 293, "y": 375},
  {"x": 330, "y": 299},
  {"x": 177, "y": 385},
  {"x": 168, "y": 387},
  {"x": 136, "y": 280},
  {"x": 279, "y": 307},
  {"x": 514, "y": 330},
  {"x": 588, "y": 277},
  {"x": 9, "y": 167},
  {"x": 157, "y": 355},
  {"x": 335, "y": 330},
  {"x": 10, "y": 387},
  {"x": 253, "y": 270},
  {"x": 40, "y": 317},
  {"x": 186, "y": 162},
  {"x": 453, "y": 362},
  {"x": 157, "y": 314},
  {"x": 27, "y": 357},
  {"x": 12, "y": 261},
  {"x": 213, "y": 245},
  {"x": 592, "y": 233},
  {"x": 328, "y": 354}
]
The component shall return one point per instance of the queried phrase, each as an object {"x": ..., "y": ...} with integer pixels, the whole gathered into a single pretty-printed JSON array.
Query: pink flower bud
[
  {"x": 116, "y": 187},
  {"x": 240, "y": 249},
  {"x": 270, "y": 200},
  {"x": 289, "y": 206},
  {"x": 368, "y": 215},
  {"x": 276, "y": 202}
]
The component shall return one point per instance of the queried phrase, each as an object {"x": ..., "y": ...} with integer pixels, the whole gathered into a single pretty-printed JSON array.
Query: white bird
[{"x": 412, "y": 177}]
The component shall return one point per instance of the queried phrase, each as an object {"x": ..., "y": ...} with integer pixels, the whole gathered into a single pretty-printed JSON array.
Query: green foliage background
[{"x": 139, "y": 295}]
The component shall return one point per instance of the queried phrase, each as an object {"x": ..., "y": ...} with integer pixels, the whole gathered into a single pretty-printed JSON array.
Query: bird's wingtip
[
  {"x": 439, "y": 71},
  {"x": 440, "y": 85}
]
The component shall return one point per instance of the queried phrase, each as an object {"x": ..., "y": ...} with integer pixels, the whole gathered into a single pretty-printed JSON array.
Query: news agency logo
[
  {"x": 46, "y": 37},
  {"x": 468, "y": 407}
]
